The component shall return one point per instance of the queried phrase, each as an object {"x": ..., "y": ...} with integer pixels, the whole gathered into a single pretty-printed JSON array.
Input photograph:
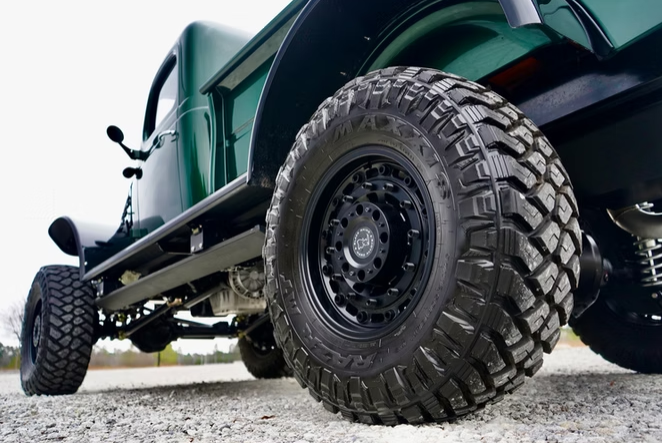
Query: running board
[{"x": 238, "y": 249}]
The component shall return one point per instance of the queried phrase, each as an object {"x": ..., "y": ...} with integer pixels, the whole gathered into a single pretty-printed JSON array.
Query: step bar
[{"x": 236, "y": 250}]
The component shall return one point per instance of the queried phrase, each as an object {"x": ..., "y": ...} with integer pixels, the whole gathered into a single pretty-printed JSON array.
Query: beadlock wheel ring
[{"x": 367, "y": 233}]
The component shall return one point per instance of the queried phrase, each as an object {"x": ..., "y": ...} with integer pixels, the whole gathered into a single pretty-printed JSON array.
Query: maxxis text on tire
[
  {"x": 58, "y": 332},
  {"x": 505, "y": 246}
]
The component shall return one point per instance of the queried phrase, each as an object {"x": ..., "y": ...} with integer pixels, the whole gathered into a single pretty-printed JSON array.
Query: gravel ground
[{"x": 576, "y": 397}]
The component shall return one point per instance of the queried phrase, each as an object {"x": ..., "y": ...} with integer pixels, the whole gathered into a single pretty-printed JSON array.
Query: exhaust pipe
[{"x": 637, "y": 222}]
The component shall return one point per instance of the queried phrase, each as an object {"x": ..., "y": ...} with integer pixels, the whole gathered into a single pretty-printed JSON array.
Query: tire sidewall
[
  {"x": 351, "y": 357},
  {"x": 38, "y": 292}
]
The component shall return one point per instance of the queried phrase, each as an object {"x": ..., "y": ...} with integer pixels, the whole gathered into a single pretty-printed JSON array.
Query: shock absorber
[
  {"x": 646, "y": 226},
  {"x": 649, "y": 253}
]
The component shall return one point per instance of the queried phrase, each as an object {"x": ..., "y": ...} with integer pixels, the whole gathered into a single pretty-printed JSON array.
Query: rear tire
[
  {"x": 631, "y": 343},
  {"x": 261, "y": 356},
  {"x": 58, "y": 332},
  {"x": 496, "y": 218}
]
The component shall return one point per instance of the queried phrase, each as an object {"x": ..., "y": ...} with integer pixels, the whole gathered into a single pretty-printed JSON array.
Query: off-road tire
[
  {"x": 492, "y": 307},
  {"x": 57, "y": 365},
  {"x": 609, "y": 334},
  {"x": 263, "y": 365}
]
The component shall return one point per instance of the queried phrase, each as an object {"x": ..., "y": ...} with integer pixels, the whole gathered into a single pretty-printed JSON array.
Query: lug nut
[
  {"x": 392, "y": 292},
  {"x": 336, "y": 277},
  {"x": 408, "y": 266},
  {"x": 406, "y": 204},
  {"x": 340, "y": 300},
  {"x": 368, "y": 186},
  {"x": 362, "y": 317},
  {"x": 389, "y": 187},
  {"x": 371, "y": 302},
  {"x": 330, "y": 250},
  {"x": 389, "y": 315},
  {"x": 348, "y": 199},
  {"x": 413, "y": 233},
  {"x": 334, "y": 222}
]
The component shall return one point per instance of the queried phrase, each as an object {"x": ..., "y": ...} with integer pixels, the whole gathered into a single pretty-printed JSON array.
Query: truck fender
[
  {"x": 316, "y": 59},
  {"x": 80, "y": 239}
]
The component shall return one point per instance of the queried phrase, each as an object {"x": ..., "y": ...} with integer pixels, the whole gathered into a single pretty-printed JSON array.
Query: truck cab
[{"x": 192, "y": 150}]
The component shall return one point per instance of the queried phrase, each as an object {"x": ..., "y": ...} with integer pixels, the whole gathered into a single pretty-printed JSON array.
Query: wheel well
[{"x": 472, "y": 39}]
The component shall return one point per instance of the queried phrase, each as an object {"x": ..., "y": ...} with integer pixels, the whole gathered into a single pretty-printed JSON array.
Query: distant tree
[
  {"x": 12, "y": 319},
  {"x": 9, "y": 357},
  {"x": 168, "y": 356}
]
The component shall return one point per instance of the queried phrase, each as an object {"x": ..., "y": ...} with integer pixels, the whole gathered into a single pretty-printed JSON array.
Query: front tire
[
  {"x": 448, "y": 298},
  {"x": 58, "y": 332}
]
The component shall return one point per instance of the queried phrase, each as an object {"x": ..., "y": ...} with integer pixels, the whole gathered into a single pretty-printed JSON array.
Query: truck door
[{"x": 158, "y": 194}]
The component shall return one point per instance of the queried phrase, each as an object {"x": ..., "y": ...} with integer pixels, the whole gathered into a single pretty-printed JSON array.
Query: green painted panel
[
  {"x": 240, "y": 106},
  {"x": 470, "y": 39},
  {"x": 625, "y": 20}
]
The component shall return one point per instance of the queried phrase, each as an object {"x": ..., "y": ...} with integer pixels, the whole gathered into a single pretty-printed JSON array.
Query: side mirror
[{"x": 115, "y": 134}]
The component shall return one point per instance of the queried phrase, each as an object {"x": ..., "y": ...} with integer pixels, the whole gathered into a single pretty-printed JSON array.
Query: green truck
[{"x": 398, "y": 202}]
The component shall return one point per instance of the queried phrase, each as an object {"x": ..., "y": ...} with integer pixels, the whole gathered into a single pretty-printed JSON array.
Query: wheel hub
[
  {"x": 375, "y": 237},
  {"x": 363, "y": 243},
  {"x": 36, "y": 331}
]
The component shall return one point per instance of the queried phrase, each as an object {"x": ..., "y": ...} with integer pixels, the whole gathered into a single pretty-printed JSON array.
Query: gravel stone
[{"x": 576, "y": 397}]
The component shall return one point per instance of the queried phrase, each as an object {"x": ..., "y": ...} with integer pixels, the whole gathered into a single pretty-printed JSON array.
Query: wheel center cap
[{"x": 363, "y": 243}]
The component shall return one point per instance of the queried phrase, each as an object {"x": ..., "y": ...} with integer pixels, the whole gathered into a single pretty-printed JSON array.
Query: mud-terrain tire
[
  {"x": 503, "y": 257},
  {"x": 263, "y": 363},
  {"x": 624, "y": 339},
  {"x": 58, "y": 332}
]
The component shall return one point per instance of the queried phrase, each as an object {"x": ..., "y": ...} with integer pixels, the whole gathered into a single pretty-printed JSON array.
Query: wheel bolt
[
  {"x": 392, "y": 292},
  {"x": 408, "y": 266}
]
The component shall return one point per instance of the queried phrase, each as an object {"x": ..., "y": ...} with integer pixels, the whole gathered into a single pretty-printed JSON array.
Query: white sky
[{"x": 68, "y": 69}]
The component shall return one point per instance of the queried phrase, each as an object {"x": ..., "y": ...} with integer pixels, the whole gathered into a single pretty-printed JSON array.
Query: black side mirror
[
  {"x": 116, "y": 135},
  {"x": 130, "y": 172}
]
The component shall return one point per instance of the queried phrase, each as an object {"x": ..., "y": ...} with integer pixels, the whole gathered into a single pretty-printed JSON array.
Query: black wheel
[
  {"x": 422, "y": 243},
  {"x": 261, "y": 356},
  {"x": 58, "y": 332},
  {"x": 624, "y": 327}
]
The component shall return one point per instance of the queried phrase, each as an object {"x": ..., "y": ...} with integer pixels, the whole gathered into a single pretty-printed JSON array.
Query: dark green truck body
[{"x": 235, "y": 103}]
